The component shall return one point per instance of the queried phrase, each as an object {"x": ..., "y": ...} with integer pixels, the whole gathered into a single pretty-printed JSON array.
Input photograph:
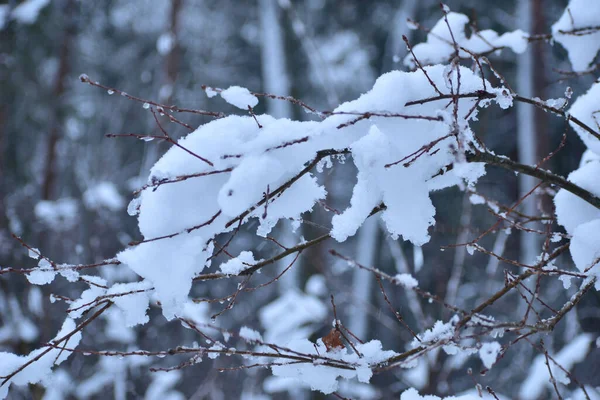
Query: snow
[
  {"x": 152, "y": 260},
  {"x": 165, "y": 43},
  {"x": 33, "y": 253},
  {"x": 409, "y": 213},
  {"x": 274, "y": 384},
  {"x": 572, "y": 211},
  {"x": 161, "y": 387},
  {"x": 87, "y": 298},
  {"x": 367, "y": 193},
  {"x": 324, "y": 378},
  {"x": 342, "y": 59},
  {"x": 210, "y": 92},
  {"x": 43, "y": 274},
  {"x": 287, "y": 316},
  {"x": 99, "y": 380},
  {"x": 238, "y": 264},
  {"x": 239, "y": 97},
  {"x": 67, "y": 272},
  {"x": 197, "y": 313},
  {"x": 585, "y": 109},
  {"x": 35, "y": 301},
  {"x": 406, "y": 280},
  {"x": 476, "y": 199},
  {"x": 439, "y": 48},
  {"x": 439, "y": 331},
  {"x": 58, "y": 215},
  {"x": 349, "y": 389},
  {"x": 504, "y": 99},
  {"x": 538, "y": 379},
  {"x": 583, "y": 47},
  {"x": 250, "y": 335},
  {"x": 579, "y": 218},
  {"x": 58, "y": 385},
  {"x": 252, "y": 172},
  {"x": 116, "y": 328},
  {"x": 316, "y": 285},
  {"x": 103, "y": 195},
  {"x": 215, "y": 347},
  {"x": 113, "y": 371},
  {"x": 258, "y": 161},
  {"x": 133, "y": 305},
  {"x": 590, "y": 393},
  {"x": 470, "y": 172},
  {"x": 587, "y": 157},
  {"x": 133, "y": 208},
  {"x": 516, "y": 40},
  {"x": 418, "y": 258},
  {"x": 41, "y": 368},
  {"x": 566, "y": 281},
  {"x": 19, "y": 326},
  {"x": 489, "y": 353},
  {"x": 358, "y": 390},
  {"x": 3, "y": 15},
  {"x": 27, "y": 12},
  {"x": 585, "y": 249},
  {"x": 413, "y": 394},
  {"x": 417, "y": 373}
]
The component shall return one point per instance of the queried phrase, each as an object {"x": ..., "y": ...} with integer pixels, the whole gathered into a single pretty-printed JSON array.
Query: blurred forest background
[{"x": 64, "y": 186}]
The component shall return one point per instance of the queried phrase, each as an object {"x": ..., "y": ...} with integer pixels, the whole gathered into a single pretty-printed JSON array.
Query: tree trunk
[
  {"x": 49, "y": 182},
  {"x": 276, "y": 81},
  {"x": 528, "y": 67}
]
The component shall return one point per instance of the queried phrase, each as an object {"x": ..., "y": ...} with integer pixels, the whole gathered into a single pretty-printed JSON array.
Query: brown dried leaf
[{"x": 333, "y": 340}]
